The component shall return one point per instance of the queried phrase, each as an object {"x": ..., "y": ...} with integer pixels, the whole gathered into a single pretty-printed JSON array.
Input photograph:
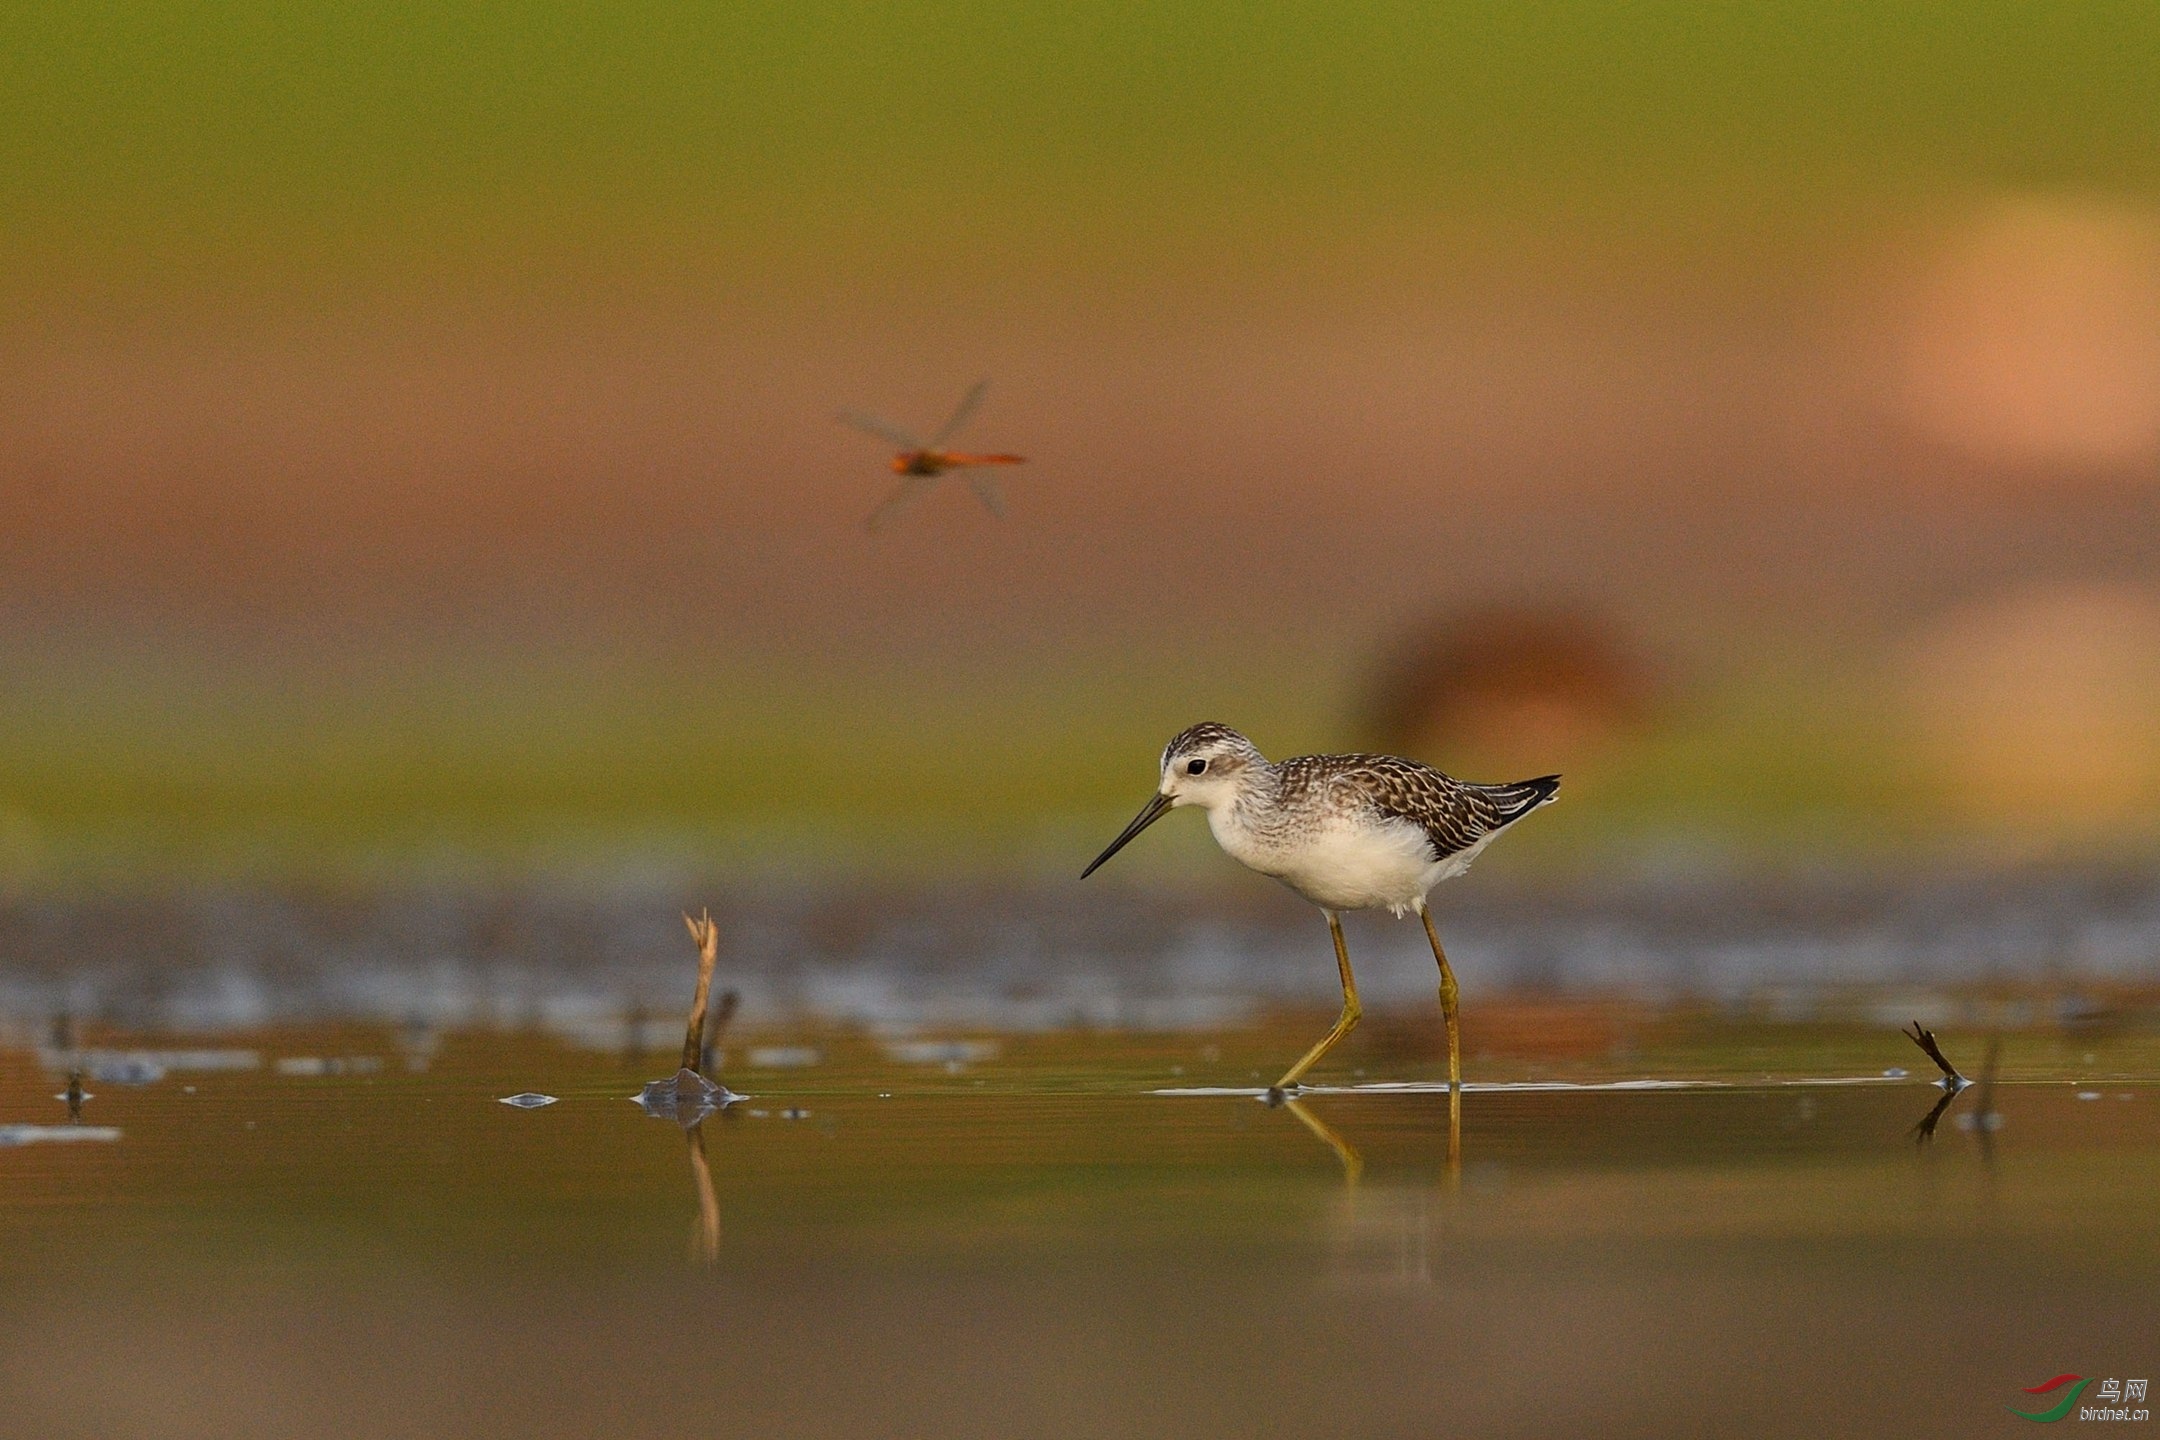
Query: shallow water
[
  {"x": 1015, "y": 1236},
  {"x": 590, "y": 961}
]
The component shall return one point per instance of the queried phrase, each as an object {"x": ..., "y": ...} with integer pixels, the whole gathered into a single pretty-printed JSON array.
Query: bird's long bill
[{"x": 1155, "y": 810}]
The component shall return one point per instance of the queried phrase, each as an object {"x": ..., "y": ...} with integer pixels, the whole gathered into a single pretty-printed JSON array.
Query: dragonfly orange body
[
  {"x": 937, "y": 462},
  {"x": 920, "y": 462}
]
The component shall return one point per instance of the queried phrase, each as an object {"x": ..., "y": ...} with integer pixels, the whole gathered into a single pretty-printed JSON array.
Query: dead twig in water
[
  {"x": 688, "y": 1095},
  {"x": 706, "y": 936},
  {"x": 1925, "y": 1039}
]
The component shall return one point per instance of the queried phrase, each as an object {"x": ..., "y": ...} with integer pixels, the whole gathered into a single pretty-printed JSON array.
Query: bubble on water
[
  {"x": 784, "y": 1057},
  {"x": 1896, "y": 1072},
  {"x": 328, "y": 1065},
  {"x": 951, "y": 1054},
  {"x": 144, "y": 1067},
  {"x": 794, "y": 1112},
  {"x": 55, "y": 1134},
  {"x": 2088, "y": 1095},
  {"x": 125, "y": 1070},
  {"x": 527, "y": 1100}
]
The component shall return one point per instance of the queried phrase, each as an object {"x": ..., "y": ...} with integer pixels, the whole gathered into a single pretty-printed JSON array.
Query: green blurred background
[{"x": 417, "y": 446}]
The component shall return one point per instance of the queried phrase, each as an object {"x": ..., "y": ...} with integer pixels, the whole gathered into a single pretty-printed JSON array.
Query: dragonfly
[{"x": 921, "y": 462}]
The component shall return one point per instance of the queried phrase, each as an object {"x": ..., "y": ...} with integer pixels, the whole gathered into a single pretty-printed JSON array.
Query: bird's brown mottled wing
[{"x": 1453, "y": 813}]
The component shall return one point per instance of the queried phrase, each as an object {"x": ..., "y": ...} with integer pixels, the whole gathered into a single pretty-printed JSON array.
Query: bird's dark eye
[{"x": 1196, "y": 767}]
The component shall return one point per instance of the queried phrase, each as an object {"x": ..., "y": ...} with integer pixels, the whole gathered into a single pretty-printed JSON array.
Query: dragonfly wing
[
  {"x": 911, "y": 489},
  {"x": 960, "y": 415},
  {"x": 987, "y": 491},
  {"x": 883, "y": 429}
]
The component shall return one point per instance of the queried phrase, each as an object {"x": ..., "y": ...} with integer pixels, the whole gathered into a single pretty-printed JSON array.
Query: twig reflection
[
  {"x": 1924, "y": 1131},
  {"x": 705, "y": 1239}
]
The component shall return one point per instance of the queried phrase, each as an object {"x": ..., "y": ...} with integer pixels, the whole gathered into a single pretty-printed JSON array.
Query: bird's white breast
[{"x": 1344, "y": 862}]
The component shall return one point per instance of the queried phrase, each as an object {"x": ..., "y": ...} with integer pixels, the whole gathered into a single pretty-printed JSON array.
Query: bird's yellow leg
[
  {"x": 1449, "y": 997},
  {"x": 1350, "y": 1008}
]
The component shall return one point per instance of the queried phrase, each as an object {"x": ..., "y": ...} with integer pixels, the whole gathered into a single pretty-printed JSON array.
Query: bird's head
[{"x": 1204, "y": 765}]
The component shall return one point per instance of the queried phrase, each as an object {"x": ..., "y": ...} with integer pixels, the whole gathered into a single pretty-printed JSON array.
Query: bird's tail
[{"x": 1519, "y": 799}]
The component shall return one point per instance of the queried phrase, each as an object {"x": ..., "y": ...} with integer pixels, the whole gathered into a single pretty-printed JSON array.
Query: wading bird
[
  {"x": 921, "y": 462},
  {"x": 1347, "y": 832}
]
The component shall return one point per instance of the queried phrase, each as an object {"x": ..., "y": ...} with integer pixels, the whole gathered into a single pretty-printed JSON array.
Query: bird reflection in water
[
  {"x": 1381, "y": 1237},
  {"x": 1353, "y": 1163},
  {"x": 1378, "y": 1236}
]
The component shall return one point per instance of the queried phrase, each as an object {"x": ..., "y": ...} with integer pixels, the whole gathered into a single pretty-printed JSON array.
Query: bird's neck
[{"x": 1258, "y": 790}]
